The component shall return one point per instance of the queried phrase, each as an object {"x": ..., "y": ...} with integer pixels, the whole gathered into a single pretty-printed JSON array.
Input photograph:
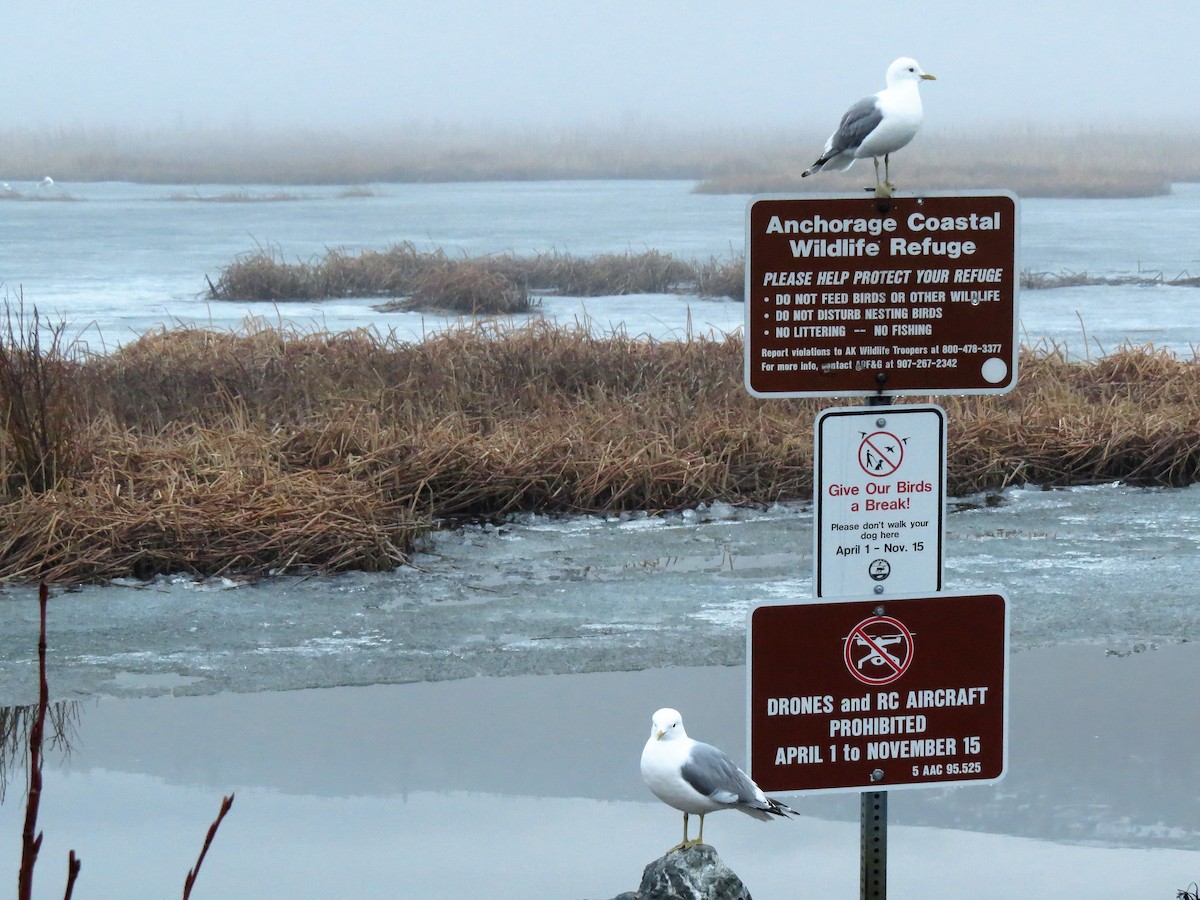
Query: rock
[{"x": 694, "y": 873}]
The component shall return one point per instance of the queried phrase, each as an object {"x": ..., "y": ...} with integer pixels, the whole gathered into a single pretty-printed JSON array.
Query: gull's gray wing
[
  {"x": 714, "y": 775},
  {"x": 859, "y": 121}
]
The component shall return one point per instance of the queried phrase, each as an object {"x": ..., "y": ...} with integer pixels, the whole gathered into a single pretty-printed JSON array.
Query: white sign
[{"x": 879, "y": 497}]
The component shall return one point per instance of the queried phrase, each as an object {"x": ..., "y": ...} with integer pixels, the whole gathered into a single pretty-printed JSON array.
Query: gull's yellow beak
[
  {"x": 658, "y": 736},
  {"x": 928, "y": 77}
]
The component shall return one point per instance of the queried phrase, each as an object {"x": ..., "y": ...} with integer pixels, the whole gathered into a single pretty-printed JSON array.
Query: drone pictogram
[{"x": 878, "y": 650}]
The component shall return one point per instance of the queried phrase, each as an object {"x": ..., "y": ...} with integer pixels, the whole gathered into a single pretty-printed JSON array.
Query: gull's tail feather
[
  {"x": 835, "y": 161},
  {"x": 767, "y": 808},
  {"x": 815, "y": 167},
  {"x": 780, "y": 809}
]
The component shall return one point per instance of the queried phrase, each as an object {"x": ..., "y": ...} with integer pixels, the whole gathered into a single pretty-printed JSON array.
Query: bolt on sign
[
  {"x": 876, "y": 695},
  {"x": 879, "y": 487},
  {"x": 850, "y": 296}
]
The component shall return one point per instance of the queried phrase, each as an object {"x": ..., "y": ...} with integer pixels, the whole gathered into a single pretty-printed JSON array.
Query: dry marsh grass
[
  {"x": 501, "y": 284},
  {"x": 497, "y": 284},
  {"x": 242, "y": 196},
  {"x": 283, "y": 451},
  {"x": 36, "y": 196},
  {"x": 1035, "y": 281},
  {"x": 1031, "y": 160}
]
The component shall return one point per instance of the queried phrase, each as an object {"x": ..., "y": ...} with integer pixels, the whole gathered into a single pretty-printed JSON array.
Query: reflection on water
[
  {"x": 1094, "y": 755},
  {"x": 529, "y": 769},
  {"x": 61, "y": 730}
]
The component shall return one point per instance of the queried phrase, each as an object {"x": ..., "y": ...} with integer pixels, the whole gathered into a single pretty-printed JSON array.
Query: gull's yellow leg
[
  {"x": 883, "y": 190},
  {"x": 684, "y": 843}
]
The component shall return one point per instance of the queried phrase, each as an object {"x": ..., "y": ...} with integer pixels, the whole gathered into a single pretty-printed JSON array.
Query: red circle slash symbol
[
  {"x": 878, "y": 650},
  {"x": 880, "y": 453}
]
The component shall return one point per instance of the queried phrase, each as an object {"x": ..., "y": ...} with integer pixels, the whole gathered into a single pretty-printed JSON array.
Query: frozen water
[
  {"x": 369, "y": 780},
  {"x": 1108, "y": 565},
  {"x": 125, "y": 259}
]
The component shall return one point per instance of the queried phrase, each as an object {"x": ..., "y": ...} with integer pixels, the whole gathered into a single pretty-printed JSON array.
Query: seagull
[
  {"x": 878, "y": 125},
  {"x": 698, "y": 778}
]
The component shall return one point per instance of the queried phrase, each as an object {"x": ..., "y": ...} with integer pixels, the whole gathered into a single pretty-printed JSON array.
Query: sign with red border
[
  {"x": 853, "y": 695},
  {"x": 853, "y": 295},
  {"x": 879, "y": 487}
]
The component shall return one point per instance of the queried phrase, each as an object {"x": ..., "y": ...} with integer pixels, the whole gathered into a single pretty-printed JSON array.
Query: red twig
[
  {"x": 226, "y": 802},
  {"x": 73, "y": 867},
  {"x": 31, "y": 843}
]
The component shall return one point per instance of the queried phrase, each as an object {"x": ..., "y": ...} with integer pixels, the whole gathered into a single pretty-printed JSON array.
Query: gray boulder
[{"x": 693, "y": 873}]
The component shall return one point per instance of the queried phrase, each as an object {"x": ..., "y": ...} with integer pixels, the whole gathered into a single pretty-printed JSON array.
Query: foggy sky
[{"x": 131, "y": 63}]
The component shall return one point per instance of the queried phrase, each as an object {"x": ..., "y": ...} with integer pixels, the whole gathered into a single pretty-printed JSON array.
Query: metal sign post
[
  {"x": 873, "y": 805},
  {"x": 853, "y": 296},
  {"x": 863, "y": 695},
  {"x": 872, "y": 878}
]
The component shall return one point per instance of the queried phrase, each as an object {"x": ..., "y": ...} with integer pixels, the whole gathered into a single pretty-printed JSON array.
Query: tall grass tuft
[
  {"x": 501, "y": 284},
  {"x": 497, "y": 284},
  {"x": 470, "y": 288},
  {"x": 38, "y": 428},
  {"x": 281, "y": 450}
]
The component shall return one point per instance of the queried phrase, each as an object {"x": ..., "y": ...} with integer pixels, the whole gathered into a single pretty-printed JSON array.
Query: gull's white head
[
  {"x": 667, "y": 725},
  {"x": 906, "y": 69}
]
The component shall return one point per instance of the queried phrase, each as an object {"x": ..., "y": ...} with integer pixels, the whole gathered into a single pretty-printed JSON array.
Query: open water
[
  {"x": 496, "y": 696},
  {"x": 118, "y": 259}
]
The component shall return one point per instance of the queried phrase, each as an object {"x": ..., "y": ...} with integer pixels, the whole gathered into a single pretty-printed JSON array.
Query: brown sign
[
  {"x": 876, "y": 695},
  {"x": 853, "y": 295}
]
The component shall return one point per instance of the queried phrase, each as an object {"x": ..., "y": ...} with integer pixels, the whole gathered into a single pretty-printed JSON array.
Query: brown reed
[
  {"x": 467, "y": 287},
  {"x": 1029, "y": 162},
  {"x": 1035, "y": 281},
  {"x": 501, "y": 284},
  {"x": 240, "y": 196},
  {"x": 37, "y": 408},
  {"x": 1029, "y": 159},
  {"x": 273, "y": 450},
  {"x": 497, "y": 284}
]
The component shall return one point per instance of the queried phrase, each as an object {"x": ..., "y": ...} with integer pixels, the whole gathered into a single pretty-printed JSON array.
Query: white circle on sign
[{"x": 994, "y": 370}]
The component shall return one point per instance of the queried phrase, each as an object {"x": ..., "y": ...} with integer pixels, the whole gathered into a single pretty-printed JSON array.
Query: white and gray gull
[
  {"x": 877, "y": 125},
  {"x": 698, "y": 778}
]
